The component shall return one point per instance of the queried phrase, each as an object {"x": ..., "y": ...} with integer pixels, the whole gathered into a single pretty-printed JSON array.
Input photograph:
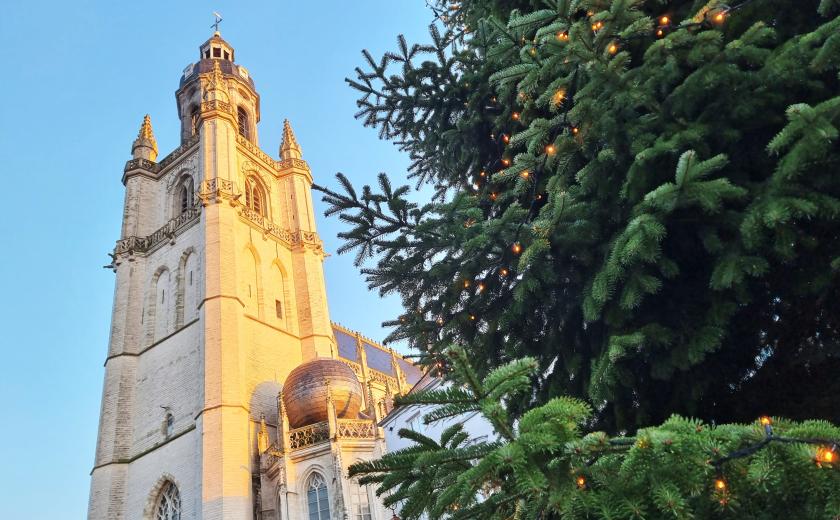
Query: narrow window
[
  {"x": 217, "y": 52},
  {"x": 190, "y": 277},
  {"x": 258, "y": 204},
  {"x": 317, "y": 498},
  {"x": 194, "y": 119},
  {"x": 227, "y": 56},
  {"x": 162, "y": 295},
  {"x": 279, "y": 308},
  {"x": 169, "y": 425},
  {"x": 185, "y": 196},
  {"x": 185, "y": 200},
  {"x": 207, "y": 54},
  {"x": 242, "y": 120},
  {"x": 254, "y": 197}
]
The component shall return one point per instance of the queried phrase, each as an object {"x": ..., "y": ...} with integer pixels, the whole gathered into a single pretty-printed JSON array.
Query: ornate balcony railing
[
  {"x": 356, "y": 429},
  {"x": 254, "y": 149},
  {"x": 285, "y": 164},
  {"x": 289, "y": 237},
  {"x": 178, "y": 152},
  {"x": 320, "y": 432},
  {"x": 155, "y": 167},
  {"x": 165, "y": 232},
  {"x": 141, "y": 164},
  {"x": 309, "y": 435}
]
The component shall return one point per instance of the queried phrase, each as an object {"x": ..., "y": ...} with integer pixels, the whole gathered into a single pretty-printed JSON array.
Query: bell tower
[{"x": 219, "y": 295}]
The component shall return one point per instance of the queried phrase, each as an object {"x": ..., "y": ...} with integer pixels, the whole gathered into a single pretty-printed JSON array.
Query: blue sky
[{"x": 77, "y": 81}]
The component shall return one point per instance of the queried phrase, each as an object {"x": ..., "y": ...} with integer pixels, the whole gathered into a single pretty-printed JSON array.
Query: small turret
[
  {"x": 145, "y": 146},
  {"x": 289, "y": 147}
]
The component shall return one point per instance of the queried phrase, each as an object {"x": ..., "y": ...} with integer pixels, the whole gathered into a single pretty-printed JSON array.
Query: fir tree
[
  {"x": 542, "y": 465},
  {"x": 640, "y": 197}
]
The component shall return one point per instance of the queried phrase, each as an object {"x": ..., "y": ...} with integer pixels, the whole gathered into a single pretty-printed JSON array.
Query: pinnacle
[
  {"x": 145, "y": 140},
  {"x": 146, "y": 129},
  {"x": 289, "y": 147}
]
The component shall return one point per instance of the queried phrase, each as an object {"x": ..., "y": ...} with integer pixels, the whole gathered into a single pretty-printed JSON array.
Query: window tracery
[
  {"x": 169, "y": 503},
  {"x": 317, "y": 498}
]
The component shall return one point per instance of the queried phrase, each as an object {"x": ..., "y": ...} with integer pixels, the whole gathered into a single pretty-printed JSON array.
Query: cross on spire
[{"x": 218, "y": 18}]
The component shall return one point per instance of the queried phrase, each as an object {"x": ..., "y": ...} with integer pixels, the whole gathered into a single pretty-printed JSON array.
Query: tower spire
[
  {"x": 289, "y": 147},
  {"x": 145, "y": 146}
]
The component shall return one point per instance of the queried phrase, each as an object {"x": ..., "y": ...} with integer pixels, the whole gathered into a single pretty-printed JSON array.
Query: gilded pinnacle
[
  {"x": 145, "y": 146},
  {"x": 289, "y": 147}
]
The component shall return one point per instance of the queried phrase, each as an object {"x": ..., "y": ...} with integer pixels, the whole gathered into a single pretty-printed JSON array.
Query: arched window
[
  {"x": 359, "y": 503},
  {"x": 169, "y": 503},
  {"x": 317, "y": 498},
  {"x": 185, "y": 196},
  {"x": 242, "y": 120},
  {"x": 254, "y": 196},
  {"x": 194, "y": 119}
]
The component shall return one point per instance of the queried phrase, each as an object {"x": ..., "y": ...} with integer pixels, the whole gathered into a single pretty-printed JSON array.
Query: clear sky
[{"x": 79, "y": 76}]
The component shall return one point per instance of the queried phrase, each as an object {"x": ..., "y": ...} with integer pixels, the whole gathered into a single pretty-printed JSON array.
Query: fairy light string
[
  {"x": 485, "y": 184},
  {"x": 827, "y": 454}
]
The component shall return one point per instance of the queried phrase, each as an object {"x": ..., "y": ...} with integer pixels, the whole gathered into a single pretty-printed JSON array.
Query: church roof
[{"x": 378, "y": 357}]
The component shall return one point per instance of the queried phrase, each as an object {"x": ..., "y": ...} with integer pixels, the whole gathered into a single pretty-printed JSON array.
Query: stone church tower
[{"x": 228, "y": 392}]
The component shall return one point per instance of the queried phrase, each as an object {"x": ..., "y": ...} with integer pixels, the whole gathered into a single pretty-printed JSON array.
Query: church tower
[{"x": 228, "y": 392}]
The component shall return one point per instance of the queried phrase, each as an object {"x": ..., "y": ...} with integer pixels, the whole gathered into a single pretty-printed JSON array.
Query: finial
[
  {"x": 289, "y": 147},
  {"x": 218, "y": 19},
  {"x": 145, "y": 146}
]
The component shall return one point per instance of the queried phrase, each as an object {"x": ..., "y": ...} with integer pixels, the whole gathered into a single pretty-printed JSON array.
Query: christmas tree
[
  {"x": 541, "y": 465},
  {"x": 640, "y": 197}
]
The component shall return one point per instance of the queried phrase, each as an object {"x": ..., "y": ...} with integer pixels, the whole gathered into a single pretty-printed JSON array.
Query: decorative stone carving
[
  {"x": 178, "y": 152},
  {"x": 309, "y": 435},
  {"x": 188, "y": 167},
  {"x": 168, "y": 231},
  {"x": 249, "y": 168},
  {"x": 215, "y": 190}
]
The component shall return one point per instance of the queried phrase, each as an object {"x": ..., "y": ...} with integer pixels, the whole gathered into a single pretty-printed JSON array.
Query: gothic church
[{"x": 228, "y": 391}]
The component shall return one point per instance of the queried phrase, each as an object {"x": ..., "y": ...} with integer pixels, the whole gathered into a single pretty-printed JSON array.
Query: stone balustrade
[{"x": 133, "y": 244}]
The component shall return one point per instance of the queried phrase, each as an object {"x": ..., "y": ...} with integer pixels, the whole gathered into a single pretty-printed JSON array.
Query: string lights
[
  {"x": 826, "y": 454},
  {"x": 663, "y": 25}
]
